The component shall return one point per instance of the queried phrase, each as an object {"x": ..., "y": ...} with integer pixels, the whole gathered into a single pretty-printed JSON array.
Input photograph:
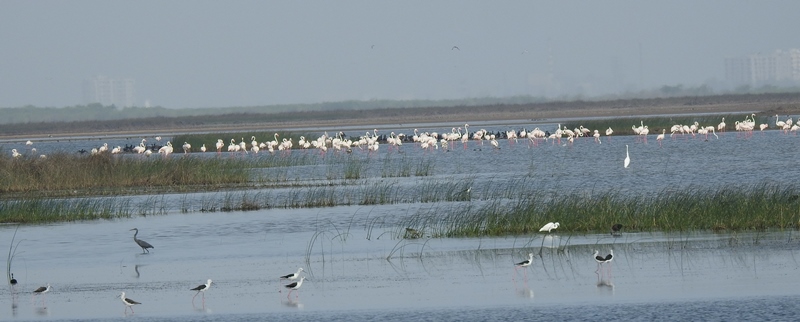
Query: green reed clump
[
  {"x": 380, "y": 194},
  {"x": 315, "y": 197},
  {"x": 434, "y": 191},
  {"x": 395, "y": 167},
  {"x": 62, "y": 171},
  {"x": 37, "y": 211},
  {"x": 241, "y": 202},
  {"x": 347, "y": 166},
  {"x": 758, "y": 207}
]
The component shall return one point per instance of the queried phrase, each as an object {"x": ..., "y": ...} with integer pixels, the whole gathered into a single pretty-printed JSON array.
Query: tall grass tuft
[
  {"x": 758, "y": 207},
  {"x": 66, "y": 174},
  {"x": 36, "y": 211}
]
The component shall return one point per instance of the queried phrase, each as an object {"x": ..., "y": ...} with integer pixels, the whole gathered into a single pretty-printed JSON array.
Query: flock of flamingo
[{"x": 371, "y": 141}]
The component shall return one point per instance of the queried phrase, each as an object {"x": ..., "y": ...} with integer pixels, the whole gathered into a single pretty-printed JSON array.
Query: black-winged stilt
[
  {"x": 610, "y": 256},
  {"x": 615, "y": 229},
  {"x": 41, "y": 291},
  {"x": 599, "y": 259},
  {"x": 128, "y": 302},
  {"x": 524, "y": 264},
  {"x": 294, "y": 286},
  {"x": 143, "y": 244},
  {"x": 292, "y": 276},
  {"x": 603, "y": 259},
  {"x": 202, "y": 288}
]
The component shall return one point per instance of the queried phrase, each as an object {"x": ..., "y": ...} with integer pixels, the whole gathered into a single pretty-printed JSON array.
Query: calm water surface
[{"x": 360, "y": 270}]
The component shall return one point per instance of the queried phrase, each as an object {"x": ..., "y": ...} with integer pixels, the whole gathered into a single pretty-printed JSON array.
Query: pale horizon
[{"x": 223, "y": 54}]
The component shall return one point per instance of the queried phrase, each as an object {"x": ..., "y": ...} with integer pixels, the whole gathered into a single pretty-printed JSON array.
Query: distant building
[
  {"x": 120, "y": 92},
  {"x": 760, "y": 69}
]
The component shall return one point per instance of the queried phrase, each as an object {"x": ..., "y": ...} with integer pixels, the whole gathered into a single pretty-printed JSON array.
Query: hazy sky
[{"x": 235, "y": 53}]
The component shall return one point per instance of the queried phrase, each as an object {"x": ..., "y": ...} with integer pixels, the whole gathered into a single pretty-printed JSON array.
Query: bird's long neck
[{"x": 135, "y": 232}]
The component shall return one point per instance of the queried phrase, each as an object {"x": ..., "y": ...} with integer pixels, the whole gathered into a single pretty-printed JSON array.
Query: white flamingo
[
  {"x": 219, "y": 145},
  {"x": 166, "y": 150}
]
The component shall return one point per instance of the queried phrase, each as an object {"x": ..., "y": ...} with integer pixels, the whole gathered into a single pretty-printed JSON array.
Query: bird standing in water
[{"x": 143, "y": 244}]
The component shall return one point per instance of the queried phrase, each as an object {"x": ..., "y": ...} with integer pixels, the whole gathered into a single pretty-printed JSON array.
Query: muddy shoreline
[{"x": 768, "y": 105}]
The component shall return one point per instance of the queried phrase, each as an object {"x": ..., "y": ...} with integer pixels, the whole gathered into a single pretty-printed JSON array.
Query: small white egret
[
  {"x": 627, "y": 157},
  {"x": 549, "y": 227}
]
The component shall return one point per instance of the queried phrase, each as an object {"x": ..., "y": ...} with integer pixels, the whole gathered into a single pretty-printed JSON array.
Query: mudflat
[{"x": 760, "y": 104}]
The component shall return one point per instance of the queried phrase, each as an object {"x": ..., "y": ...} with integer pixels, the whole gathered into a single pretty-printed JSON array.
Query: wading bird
[
  {"x": 599, "y": 259},
  {"x": 627, "y": 157},
  {"x": 550, "y": 226},
  {"x": 524, "y": 264},
  {"x": 292, "y": 276},
  {"x": 615, "y": 229},
  {"x": 294, "y": 286},
  {"x": 202, "y": 288},
  {"x": 128, "y": 302},
  {"x": 42, "y": 290},
  {"x": 143, "y": 244}
]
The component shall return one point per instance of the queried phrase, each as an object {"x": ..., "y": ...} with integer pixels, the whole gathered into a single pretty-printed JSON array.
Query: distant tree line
[{"x": 97, "y": 112}]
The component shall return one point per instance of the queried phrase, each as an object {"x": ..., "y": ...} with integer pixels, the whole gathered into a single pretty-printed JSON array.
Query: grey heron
[
  {"x": 143, "y": 244},
  {"x": 128, "y": 302}
]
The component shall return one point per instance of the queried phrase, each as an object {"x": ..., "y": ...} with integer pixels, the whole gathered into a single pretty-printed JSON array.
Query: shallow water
[
  {"x": 344, "y": 249},
  {"x": 89, "y": 263}
]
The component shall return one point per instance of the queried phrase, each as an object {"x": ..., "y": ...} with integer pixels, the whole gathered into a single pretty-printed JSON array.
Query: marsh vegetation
[{"x": 474, "y": 190}]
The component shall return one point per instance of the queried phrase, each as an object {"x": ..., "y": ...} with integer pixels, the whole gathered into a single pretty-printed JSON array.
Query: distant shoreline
[{"x": 766, "y": 105}]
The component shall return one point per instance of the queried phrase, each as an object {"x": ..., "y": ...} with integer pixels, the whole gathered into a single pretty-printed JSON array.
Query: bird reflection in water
[
  {"x": 605, "y": 284},
  {"x": 14, "y": 305},
  {"x": 525, "y": 293},
  {"x": 202, "y": 308},
  {"x": 293, "y": 303},
  {"x": 42, "y": 311}
]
